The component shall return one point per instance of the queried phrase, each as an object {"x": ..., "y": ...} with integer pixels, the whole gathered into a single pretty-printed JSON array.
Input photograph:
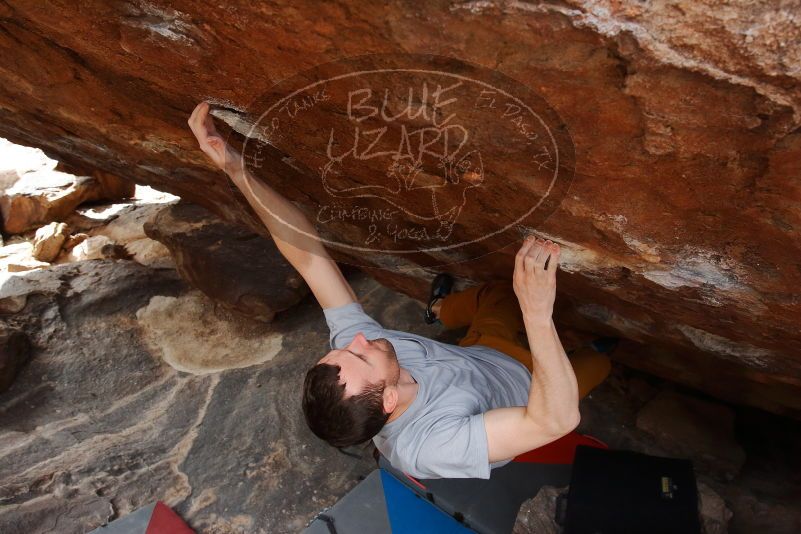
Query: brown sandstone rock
[
  {"x": 44, "y": 196},
  {"x": 150, "y": 253},
  {"x": 74, "y": 240},
  {"x": 112, "y": 187},
  {"x": 17, "y": 160},
  {"x": 40, "y": 197},
  {"x": 235, "y": 267},
  {"x": 681, "y": 225},
  {"x": 128, "y": 224},
  {"x": 90, "y": 248},
  {"x": 715, "y": 515},
  {"x": 126, "y": 229},
  {"x": 17, "y": 256},
  {"x": 48, "y": 241},
  {"x": 695, "y": 428}
]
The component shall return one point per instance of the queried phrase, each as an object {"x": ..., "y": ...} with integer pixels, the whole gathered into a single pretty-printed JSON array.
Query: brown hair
[{"x": 339, "y": 421}]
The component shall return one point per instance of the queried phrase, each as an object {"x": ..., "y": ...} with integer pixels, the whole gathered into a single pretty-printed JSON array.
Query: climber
[{"x": 432, "y": 409}]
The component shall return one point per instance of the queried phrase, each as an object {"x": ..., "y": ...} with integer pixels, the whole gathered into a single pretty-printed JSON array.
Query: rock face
[
  {"x": 15, "y": 348},
  {"x": 17, "y": 256},
  {"x": 91, "y": 248},
  {"x": 17, "y": 160},
  {"x": 48, "y": 241},
  {"x": 47, "y": 195},
  {"x": 537, "y": 515},
  {"x": 215, "y": 341},
  {"x": 120, "y": 226},
  {"x": 237, "y": 268},
  {"x": 681, "y": 223},
  {"x": 715, "y": 515},
  {"x": 96, "y": 425},
  {"x": 697, "y": 429}
]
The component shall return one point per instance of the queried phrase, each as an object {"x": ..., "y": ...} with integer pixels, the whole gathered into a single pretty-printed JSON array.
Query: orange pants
[{"x": 493, "y": 315}]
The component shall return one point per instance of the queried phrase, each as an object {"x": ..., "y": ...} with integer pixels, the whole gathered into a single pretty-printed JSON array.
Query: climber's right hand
[
  {"x": 210, "y": 141},
  {"x": 534, "y": 284}
]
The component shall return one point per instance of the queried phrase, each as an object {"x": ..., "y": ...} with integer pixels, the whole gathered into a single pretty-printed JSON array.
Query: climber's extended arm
[
  {"x": 292, "y": 232},
  {"x": 552, "y": 409}
]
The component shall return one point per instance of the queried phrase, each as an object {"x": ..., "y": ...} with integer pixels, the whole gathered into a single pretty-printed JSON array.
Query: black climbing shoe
[
  {"x": 441, "y": 287},
  {"x": 604, "y": 345}
]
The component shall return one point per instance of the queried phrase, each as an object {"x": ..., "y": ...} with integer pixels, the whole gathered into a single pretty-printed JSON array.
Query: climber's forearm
[
  {"x": 554, "y": 390},
  {"x": 297, "y": 240},
  {"x": 292, "y": 232},
  {"x": 552, "y": 409}
]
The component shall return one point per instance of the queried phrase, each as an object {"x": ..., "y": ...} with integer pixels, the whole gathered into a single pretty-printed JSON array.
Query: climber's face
[{"x": 365, "y": 362}]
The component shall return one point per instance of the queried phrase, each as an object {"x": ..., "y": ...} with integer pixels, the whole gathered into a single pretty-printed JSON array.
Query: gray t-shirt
[{"x": 441, "y": 434}]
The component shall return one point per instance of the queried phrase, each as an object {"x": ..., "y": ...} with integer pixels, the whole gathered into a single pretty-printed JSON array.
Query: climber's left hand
[{"x": 211, "y": 142}]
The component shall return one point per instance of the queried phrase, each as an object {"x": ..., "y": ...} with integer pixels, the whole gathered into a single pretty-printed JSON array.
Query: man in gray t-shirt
[
  {"x": 435, "y": 410},
  {"x": 441, "y": 432}
]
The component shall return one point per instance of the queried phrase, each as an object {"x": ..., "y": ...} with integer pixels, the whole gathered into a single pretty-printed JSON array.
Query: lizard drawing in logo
[{"x": 427, "y": 180}]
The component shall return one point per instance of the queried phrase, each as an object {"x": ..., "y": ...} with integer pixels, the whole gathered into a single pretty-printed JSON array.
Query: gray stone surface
[
  {"x": 537, "y": 515},
  {"x": 97, "y": 426},
  {"x": 48, "y": 240},
  {"x": 15, "y": 348},
  {"x": 715, "y": 516},
  {"x": 39, "y": 197}
]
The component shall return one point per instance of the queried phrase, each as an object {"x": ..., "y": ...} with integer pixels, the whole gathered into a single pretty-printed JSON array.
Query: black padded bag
[{"x": 624, "y": 492}]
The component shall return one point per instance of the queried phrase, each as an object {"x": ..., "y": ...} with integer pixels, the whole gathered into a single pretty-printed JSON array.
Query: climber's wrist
[{"x": 233, "y": 165}]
